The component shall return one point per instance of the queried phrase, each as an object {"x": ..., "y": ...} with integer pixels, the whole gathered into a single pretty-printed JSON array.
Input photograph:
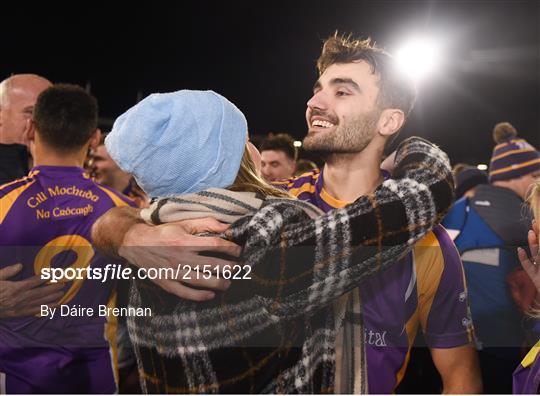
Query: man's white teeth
[{"x": 321, "y": 123}]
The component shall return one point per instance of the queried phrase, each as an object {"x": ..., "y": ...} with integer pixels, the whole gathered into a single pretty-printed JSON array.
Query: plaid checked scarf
[
  {"x": 276, "y": 332},
  {"x": 228, "y": 207}
]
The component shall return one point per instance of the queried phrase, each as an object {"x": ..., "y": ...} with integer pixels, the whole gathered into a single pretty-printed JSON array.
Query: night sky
[{"x": 261, "y": 55}]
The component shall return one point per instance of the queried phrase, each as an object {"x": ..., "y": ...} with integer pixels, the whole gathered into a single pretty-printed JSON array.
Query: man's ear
[
  {"x": 29, "y": 134},
  {"x": 390, "y": 122},
  {"x": 95, "y": 139}
]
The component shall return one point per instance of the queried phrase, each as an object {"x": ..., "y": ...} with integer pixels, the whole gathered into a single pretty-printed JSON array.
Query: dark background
[{"x": 261, "y": 55}]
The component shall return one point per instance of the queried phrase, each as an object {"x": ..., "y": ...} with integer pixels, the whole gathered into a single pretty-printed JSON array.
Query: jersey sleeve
[
  {"x": 10, "y": 193},
  {"x": 442, "y": 292}
]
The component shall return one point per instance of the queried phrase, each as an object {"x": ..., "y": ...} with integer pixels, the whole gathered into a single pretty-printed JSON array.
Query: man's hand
[
  {"x": 171, "y": 244},
  {"x": 532, "y": 265},
  {"x": 121, "y": 232},
  {"x": 25, "y": 297}
]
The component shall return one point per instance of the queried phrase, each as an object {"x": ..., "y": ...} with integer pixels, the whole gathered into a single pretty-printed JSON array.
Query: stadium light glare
[{"x": 418, "y": 57}]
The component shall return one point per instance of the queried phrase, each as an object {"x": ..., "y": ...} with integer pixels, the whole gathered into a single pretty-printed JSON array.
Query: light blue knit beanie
[{"x": 180, "y": 142}]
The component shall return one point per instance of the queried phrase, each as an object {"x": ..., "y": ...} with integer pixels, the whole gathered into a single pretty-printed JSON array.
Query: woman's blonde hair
[
  {"x": 533, "y": 198},
  {"x": 248, "y": 179}
]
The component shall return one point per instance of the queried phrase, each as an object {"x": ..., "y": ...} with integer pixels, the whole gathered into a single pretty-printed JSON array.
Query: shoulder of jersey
[
  {"x": 15, "y": 184},
  {"x": 440, "y": 239},
  {"x": 305, "y": 178}
]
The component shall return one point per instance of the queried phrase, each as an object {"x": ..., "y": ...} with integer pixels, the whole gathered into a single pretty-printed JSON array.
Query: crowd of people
[{"x": 281, "y": 275}]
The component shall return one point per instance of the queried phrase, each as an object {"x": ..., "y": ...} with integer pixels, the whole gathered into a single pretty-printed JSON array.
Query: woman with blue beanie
[{"x": 282, "y": 326}]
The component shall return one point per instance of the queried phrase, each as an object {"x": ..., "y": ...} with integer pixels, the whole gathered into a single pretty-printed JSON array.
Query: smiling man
[{"x": 359, "y": 102}]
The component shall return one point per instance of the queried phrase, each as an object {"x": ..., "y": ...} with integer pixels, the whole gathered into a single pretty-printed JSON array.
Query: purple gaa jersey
[
  {"x": 527, "y": 375},
  {"x": 526, "y": 378},
  {"x": 426, "y": 290},
  {"x": 45, "y": 222}
]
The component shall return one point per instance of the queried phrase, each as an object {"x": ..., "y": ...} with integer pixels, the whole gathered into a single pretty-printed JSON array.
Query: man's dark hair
[
  {"x": 281, "y": 142},
  {"x": 65, "y": 116},
  {"x": 396, "y": 90}
]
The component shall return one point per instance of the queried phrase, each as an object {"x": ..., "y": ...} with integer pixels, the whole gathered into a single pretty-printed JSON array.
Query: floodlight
[{"x": 418, "y": 57}]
